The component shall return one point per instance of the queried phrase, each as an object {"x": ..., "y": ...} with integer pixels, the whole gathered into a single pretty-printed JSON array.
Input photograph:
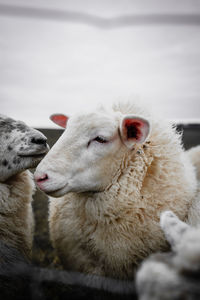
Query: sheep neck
[
  {"x": 15, "y": 203},
  {"x": 122, "y": 192}
]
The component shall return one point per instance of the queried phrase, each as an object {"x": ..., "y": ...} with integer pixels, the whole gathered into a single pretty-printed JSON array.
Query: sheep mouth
[
  {"x": 34, "y": 155},
  {"x": 58, "y": 192}
]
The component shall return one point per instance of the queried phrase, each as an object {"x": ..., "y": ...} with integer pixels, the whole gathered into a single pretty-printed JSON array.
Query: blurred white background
[{"x": 55, "y": 56}]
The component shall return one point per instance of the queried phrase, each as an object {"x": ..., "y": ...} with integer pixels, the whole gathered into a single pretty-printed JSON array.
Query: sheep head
[
  {"x": 22, "y": 147},
  {"x": 90, "y": 151}
]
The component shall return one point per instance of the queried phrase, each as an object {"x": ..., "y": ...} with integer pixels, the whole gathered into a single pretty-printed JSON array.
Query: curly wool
[
  {"x": 16, "y": 217},
  {"x": 110, "y": 232}
]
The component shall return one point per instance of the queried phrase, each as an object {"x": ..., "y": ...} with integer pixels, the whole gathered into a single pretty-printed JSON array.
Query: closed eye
[{"x": 98, "y": 139}]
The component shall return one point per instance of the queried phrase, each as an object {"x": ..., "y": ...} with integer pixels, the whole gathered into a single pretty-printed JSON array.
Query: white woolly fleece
[{"x": 110, "y": 231}]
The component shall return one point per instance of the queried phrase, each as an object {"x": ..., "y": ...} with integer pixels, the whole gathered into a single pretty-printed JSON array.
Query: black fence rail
[{"x": 191, "y": 134}]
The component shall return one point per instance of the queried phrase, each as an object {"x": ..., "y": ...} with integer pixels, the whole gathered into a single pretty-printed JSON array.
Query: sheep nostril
[
  {"x": 39, "y": 141},
  {"x": 42, "y": 178}
]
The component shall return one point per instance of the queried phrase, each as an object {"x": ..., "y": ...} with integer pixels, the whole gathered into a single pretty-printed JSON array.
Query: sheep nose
[
  {"x": 41, "y": 178},
  {"x": 39, "y": 141}
]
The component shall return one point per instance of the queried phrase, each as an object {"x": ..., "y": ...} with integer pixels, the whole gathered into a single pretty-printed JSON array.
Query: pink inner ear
[
  {"x": 59, "y": 119},
  {"x": 132, "y": 128},
  {"x": 135, "y": 129}
]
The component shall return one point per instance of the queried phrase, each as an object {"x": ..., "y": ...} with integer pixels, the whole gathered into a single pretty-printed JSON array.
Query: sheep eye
[{"x": 99, "y": 139}]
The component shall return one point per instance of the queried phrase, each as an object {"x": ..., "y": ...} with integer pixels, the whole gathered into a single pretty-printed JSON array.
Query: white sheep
[
  {"x": 173, "y": 275},
  {"x": 21, "y": 147},
  {"x": 114, "y": 172}
]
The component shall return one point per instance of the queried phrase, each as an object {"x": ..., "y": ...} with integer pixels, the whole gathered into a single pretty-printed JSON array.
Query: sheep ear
[
  {"x": 173, "y": 228},
  {"x": 134, "y": 130},
  {"x": 59, "y": 119}
]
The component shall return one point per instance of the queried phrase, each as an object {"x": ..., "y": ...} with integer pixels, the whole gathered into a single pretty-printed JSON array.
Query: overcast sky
[{"x": 52, "y": 64}]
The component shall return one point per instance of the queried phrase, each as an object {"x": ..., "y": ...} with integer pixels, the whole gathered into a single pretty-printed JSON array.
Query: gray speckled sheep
[
  {"x": 21, "y": 147},
  {"x": 114, "y": 172}
]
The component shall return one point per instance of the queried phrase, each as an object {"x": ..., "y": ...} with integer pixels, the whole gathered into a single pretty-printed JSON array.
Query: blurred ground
[{"x": 43, "y": 253}]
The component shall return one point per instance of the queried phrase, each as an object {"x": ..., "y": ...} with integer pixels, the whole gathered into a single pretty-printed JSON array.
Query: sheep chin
[{"x": 59, "y": 192}]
